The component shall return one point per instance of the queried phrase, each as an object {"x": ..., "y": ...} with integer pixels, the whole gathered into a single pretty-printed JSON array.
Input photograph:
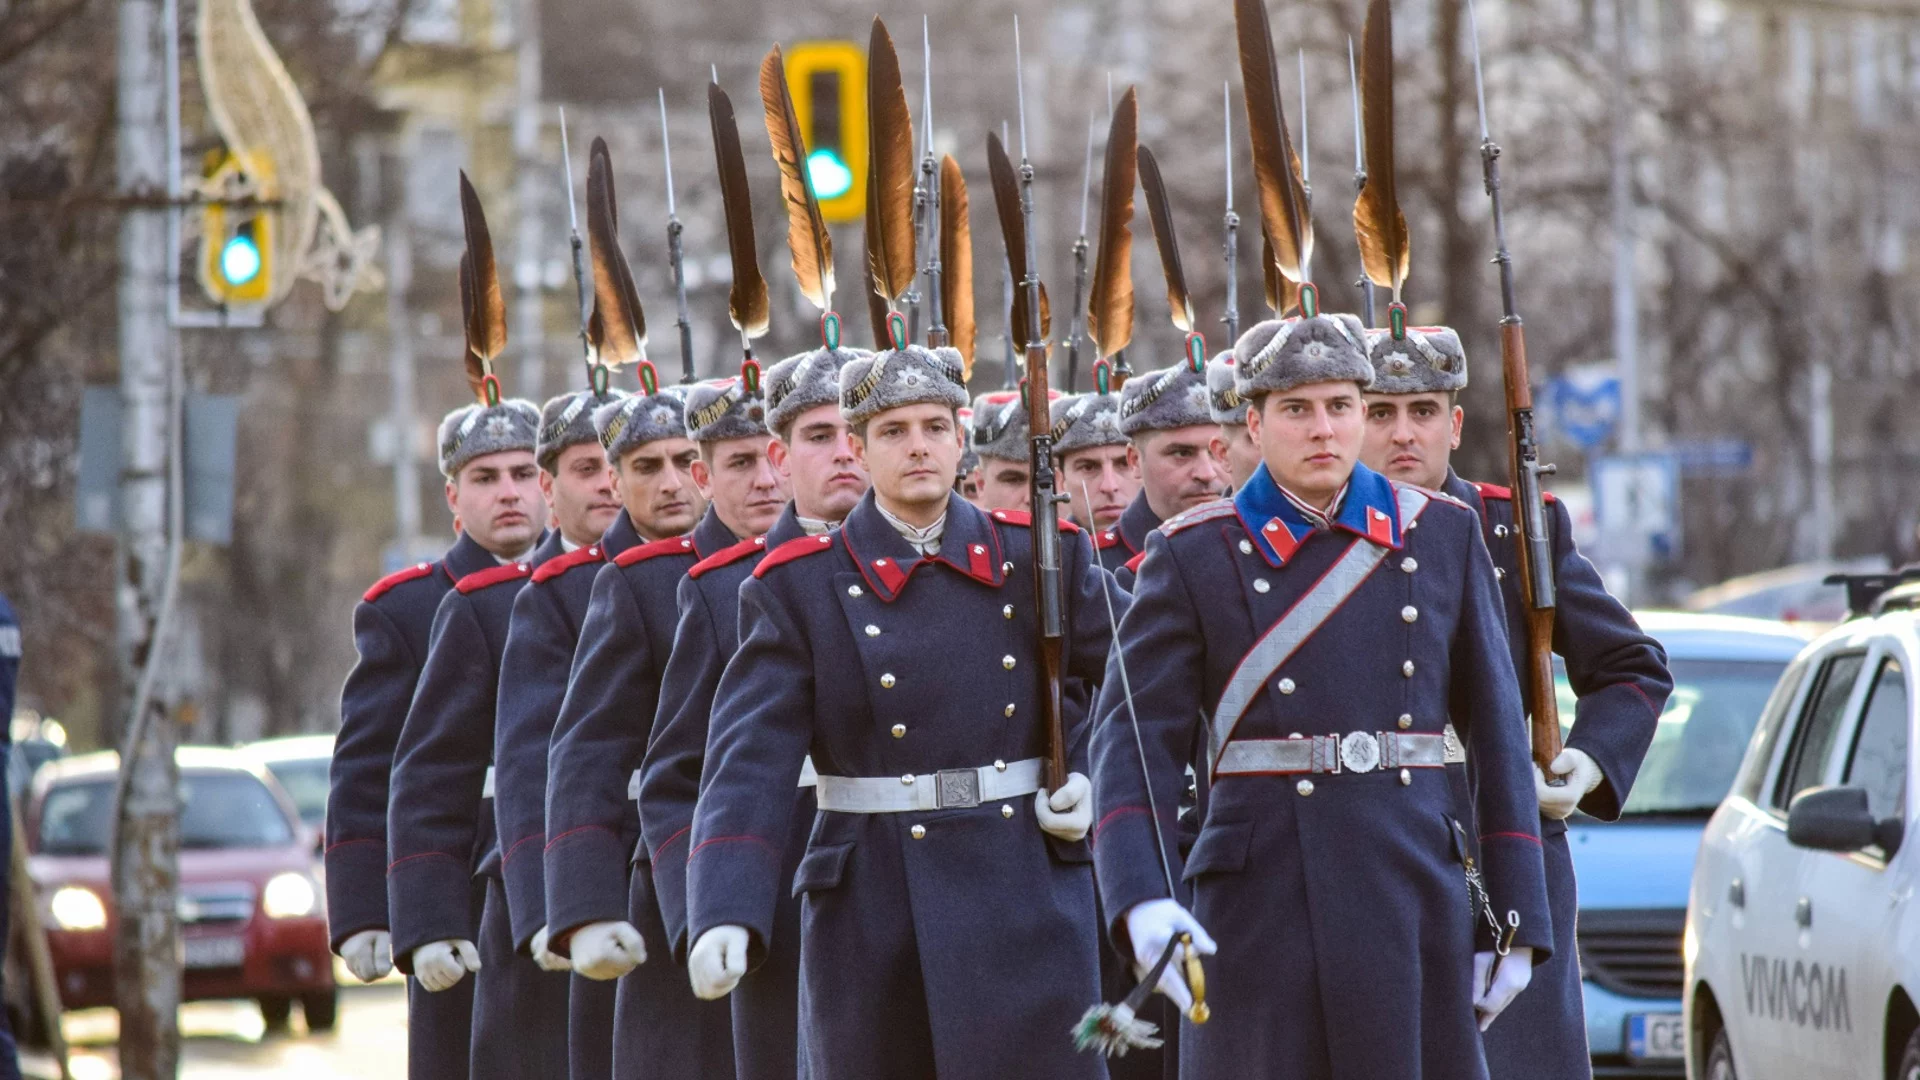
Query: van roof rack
[{"x": 1864, "y": 589}]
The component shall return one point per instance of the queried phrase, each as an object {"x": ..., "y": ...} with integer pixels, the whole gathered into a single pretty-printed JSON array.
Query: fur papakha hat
[
  {"x": 1428, "y": 360},
  {"x": 1172, "y": 397},
  {"x": 721, "y": 409},
  {"x": 1223, "y": 399},
  {"x": 567, "y": 420},
  {"x": 476, "y": 430},
  {"x": 1083, "y": 421},
  {"x": 893, "y": 378},
  {"x": 638, "y": 419},
  {"x": 1280, "y": 354},
  {"x": 805, "y": 381},
  {"x": 999, "y": 428}
]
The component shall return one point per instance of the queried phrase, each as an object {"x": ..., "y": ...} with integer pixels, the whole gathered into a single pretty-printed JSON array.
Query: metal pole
[
  {"x": 402, "y": 418},
  {"x": 1626, "y": 311},
  {"x": 1820, "y": 453},
  {"x": 529, "y": 187},
  {"x": 146, "y": 836}
]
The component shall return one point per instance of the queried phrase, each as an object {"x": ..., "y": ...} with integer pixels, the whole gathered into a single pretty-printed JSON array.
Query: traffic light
[
  {"x": 236, "y": 251},
  {"x": 829, "y": 84}
]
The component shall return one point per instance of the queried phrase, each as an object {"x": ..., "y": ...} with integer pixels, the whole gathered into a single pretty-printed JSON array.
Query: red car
[{"x": 253, "y": 919}]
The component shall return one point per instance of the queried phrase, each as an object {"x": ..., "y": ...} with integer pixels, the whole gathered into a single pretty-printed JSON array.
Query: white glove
[
  {"x": 439, "y": 965},
  {"x": 1511, "y": 976},
  {"x": 369, "y": 954},
  {"x": 717, "y": 962},
  {"x": 605, "y": 950},
  {"x": 1150, "y": 925},
  {"x": 1067, "y": 813},
  {"x": 1558, "y": 801},
  {"x": 548, "y": 960}
]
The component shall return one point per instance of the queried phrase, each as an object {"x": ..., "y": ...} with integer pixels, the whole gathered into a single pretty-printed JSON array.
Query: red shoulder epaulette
[
  {"x": 1495, "y": 491},
  {"x": 1206, "y": 511},
  {"x": 1133, "y": 564},
  {"x": 797, "y": 548},
  {"x": 478, "y": 580},
  {"x": 1025, "y": 517},
  {"x": 726, "y": 556},
  {"x": 398, "y": 577},
  {"x": 672, "y": 545},
  {"x": 560, "y": 564}
]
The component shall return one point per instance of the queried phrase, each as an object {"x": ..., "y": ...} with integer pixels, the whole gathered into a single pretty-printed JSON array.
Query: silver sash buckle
[
  {"x": 1359, "y": 752},
  {"x": 957, "y": 789}
]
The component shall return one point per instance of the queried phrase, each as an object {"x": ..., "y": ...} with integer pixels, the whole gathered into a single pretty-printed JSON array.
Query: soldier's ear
[
  {"x": 1459, "y": 423},
  {"x": 702, "y": 474}
]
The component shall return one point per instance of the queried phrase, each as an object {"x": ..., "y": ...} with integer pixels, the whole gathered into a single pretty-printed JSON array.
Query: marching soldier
[
  {"x": 813, "y": 447},
  {"x": 1618, "y": 673},
  {"x": 1166, "y": 416},
  {"x": 1331, "y": 621},
  {"x": 492, "y": 491},
  {"x": 601, "y": 905},
  {"x": 998, "y": 435},
  {"x": 533, "y": 681},
  {"x": 1090, "y": 454},
  {"x": 967, "y": 483},
  {"x": 1233, "y": 445},
  {"x": 444, "y": 780},
  {"x": 947, "y": 918}
]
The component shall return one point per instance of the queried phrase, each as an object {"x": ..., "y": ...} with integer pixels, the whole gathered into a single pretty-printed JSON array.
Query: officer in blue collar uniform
[
  {"x": 601, "y": 907},
  {"x": 1166, "y": 417},
  {"x": 814, "y": 447},
  {"x": 1229, "y": 410},
  {"x": 948, "y": 924},
  {"x": 1310, "y": 638},
  {"x": 1091, "y": 461},
  {"x": 1618, "y": 674}
]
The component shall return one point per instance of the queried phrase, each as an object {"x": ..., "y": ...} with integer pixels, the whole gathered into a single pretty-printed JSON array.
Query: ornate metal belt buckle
[
  {"x": 957, "y": 789},
  {"x": 1360, "y": 752}
]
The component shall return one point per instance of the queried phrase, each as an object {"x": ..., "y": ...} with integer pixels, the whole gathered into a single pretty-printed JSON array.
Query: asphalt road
[{"x": 226, "y": 1040}]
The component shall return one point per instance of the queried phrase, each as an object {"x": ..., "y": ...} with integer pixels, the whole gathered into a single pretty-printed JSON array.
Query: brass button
[
  {"x": 1260, "y": 585},
  {"x": 1409, "y": 564},
  {"x": 1246, "y": 547},
  {"x": 919, "y": 832},
  {"x": 1007, "y": 662},
  {"x": 1304, "y": 787},
  {"x": 874, "y": 631},
  {"x": 1009, "y": 708},
  {"x": 1285, "y": 686},
  {"x": 887, "y": 680},
  {"x": 1406, "y": 777},
  {"x": 1407, "y": 614},
  {"x": 1406, "y": 721},
  {"x": 1407, "y": 669},
  {"x": 907, "y": 780},
  {"x": 1007, "y": 612},
  {"x": 899, "y": 731},
  {"x": 1000, "y": 765},
  {"x": 1006, "y": 810},
  {"x": 854, "y": 590}
]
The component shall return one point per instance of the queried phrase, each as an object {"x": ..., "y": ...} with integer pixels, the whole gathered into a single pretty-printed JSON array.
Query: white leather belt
[
  {"x": 486, "y": 789},
  {"x": 1354, "y": 752},
  {"x": 947, "y": 789},
  {"x": 807, "y": 778}
]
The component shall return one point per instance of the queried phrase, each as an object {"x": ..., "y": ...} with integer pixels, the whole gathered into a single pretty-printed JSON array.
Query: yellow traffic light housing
[
  {"x": 236, "y": 249},
  {"x": 829, "y": 84}
]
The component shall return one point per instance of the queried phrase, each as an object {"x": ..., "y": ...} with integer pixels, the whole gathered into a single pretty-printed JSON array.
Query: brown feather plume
[
  {"x": 476, "y": 368},
  {"x": 1160, "y": 213},
  {"x": 876, "y": 303},
  {"x": 747, "y": 301},
  {"x": 891, "y": 163},
  {"x": 617, "y": 326},
  {"x": 1013, "y": 232},
  {"x": 487, "y": 320},
  {"x": 956, "y": 263},
  {"x": 807, "y": 235},
  {"x": 1276, "y": 167},
  {"x": 1110, "y": 299},
  {"x": 1377, "y": 221},
  {"x": 1282, "y": 295}
]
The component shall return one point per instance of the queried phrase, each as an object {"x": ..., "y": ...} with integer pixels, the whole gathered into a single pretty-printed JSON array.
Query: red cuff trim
[
  {"x": 731, "y": 840},
  {"x": 350, "y": 843},
  {"x": 1528, "y": 837},
  {"x": 423, "y": 855},
  {"x": 583, "y": 828},
  {"x": 1111, "y": 814},
  {"x": 517, "y": 845},
  {"x": 1635, "y": 687},
  {"x": 663, "y": 847}
]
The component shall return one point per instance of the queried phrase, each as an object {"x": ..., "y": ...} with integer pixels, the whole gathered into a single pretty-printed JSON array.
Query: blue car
[{"x": 1634, "y": 874}]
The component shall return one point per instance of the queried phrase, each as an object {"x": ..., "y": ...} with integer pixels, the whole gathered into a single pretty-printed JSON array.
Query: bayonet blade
[
  {"x": 1020, "y": 88},
  {"x": 1479, "y": 84},
  {"x": 566, "y": 162},
  {"x": 666, "y": 150},
  {"x": 1306, "y": 159},
  {"x": 1226, "y": 112},
  {"x": 1086, "y": 179},
  {"x": 926, "y": 83},
  {"x": 1359, "y": 139}
]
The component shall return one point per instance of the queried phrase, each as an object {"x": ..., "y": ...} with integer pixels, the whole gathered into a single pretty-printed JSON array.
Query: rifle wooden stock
[
  {"x": 1532, "y": 546},
  {"x": 1047, "y": 576}
]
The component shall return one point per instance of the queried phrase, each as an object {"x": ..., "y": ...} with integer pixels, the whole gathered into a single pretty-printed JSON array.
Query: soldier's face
[
  {"x": 1177, "y": 468},
  {"x": 1411, "y": 437},
  {"x": 911, "y": 452},
  {"x": 745, "y": 489},
  {"x": 1236, "y": 447},
  {"x": 1310, "y": 437},
  {"x": 496, "y": 499},
  {"x": 580, "y": 490},
  {"x": 1101, "y": 482},
  {"x": 655, "y": 483},
  {"x": 819, "y": 464},
  {"x": 1003, "y": 484}
]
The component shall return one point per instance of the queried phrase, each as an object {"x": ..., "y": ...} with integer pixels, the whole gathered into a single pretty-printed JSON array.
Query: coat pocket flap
[
  {"x": 821, "y": 867},
  {"x": 1221, "y": 849}
]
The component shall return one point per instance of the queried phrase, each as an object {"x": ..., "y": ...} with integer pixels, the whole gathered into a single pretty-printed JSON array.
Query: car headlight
[
  {"x": 75, "y": 908},
  {"x": 289, "y": 896}
]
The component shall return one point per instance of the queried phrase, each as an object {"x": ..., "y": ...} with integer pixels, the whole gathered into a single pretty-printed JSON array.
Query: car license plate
[
  {"x": 216, "y": 952},
  {"x": 1656, "y": 1037}
]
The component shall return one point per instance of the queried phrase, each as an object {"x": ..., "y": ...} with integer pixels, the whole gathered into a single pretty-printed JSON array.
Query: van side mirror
[{"x": 1831, "y": 819}]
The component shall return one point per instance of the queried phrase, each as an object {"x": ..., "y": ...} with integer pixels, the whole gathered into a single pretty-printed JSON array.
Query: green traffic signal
[
  {"x": 830, "y": 176},
  {"x": 240, "y": 259}
]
